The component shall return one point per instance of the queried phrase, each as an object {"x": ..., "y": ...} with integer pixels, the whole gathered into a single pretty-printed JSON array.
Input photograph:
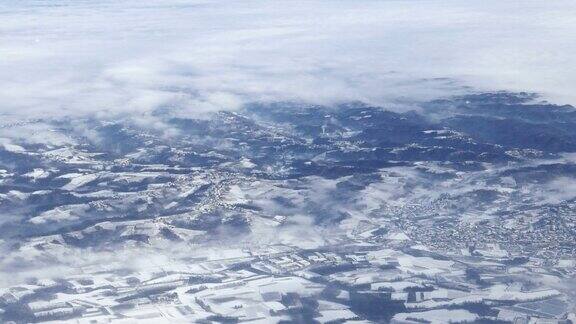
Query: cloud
[
  {"x": 557, "y": 191},
  {"x": 109, "y": 58}
]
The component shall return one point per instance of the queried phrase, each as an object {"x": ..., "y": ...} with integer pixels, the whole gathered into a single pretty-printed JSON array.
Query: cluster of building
[{"x": 356, "y": 283}]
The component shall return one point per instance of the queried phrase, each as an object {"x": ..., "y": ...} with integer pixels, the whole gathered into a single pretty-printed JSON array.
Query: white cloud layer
[{"x": 110, "y": 57}]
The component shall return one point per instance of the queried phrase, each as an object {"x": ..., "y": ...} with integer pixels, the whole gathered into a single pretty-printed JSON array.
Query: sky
[{"x": 110, "y": 58}]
